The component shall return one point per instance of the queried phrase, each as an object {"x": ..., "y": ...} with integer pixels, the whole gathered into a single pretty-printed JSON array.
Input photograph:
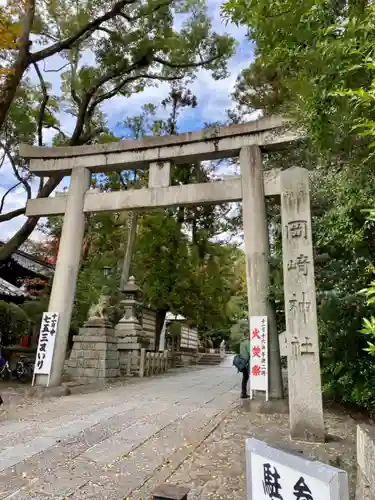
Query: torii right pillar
[{"x": 304, "y": 379}]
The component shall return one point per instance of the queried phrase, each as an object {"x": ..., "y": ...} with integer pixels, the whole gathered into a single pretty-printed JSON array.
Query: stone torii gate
[{"x": 246, "y": 140}]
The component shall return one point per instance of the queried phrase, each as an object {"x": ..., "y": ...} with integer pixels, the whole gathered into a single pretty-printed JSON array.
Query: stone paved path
[{"x": 109, "y": 444}]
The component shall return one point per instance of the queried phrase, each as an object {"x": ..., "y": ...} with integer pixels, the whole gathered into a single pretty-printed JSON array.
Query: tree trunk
[
  {"x": 129, "y": 250},
  {"x": 21, "y": 63},
  {"x": 25, "y": 231},
  {"x": 9, "y": 90}
]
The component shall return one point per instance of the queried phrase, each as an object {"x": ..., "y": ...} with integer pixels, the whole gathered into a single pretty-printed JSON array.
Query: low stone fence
[
  {"x": 365, "y": 462},
  {"x": 152, "y": 363},
  {"x": 178, "y": 359}
]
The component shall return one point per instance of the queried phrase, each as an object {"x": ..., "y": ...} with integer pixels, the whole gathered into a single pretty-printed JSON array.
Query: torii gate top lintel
[{"x": 211, "y": 143}]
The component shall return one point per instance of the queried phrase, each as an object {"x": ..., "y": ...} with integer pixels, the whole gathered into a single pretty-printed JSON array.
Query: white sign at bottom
[
  {"x": 46, "y": 344},
  {"x": 276, "y": 475}
]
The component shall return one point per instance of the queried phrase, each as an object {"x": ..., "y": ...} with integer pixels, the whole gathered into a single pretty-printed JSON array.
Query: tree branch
[
  {"x": 85, "y": 101},
  {"x": 85, "y": 30},
  {"x": 88, "y": 137},
  {"x": 2, "y": 159},
  {"x": 43, "y": 104},
  {"x": 74, "y": 66},
  {"x": 41, "y": 182},
  {"x": 131, "y": 19},
  {"x": 15, "y": 171},
  {"x": 12, "y": 215},
  {"x": 115, "y": 90},
  {"x": 185, "y": 65},
  {"x": 6, "y": 194},
  {"x": 53, "y": 70},
  {"x": 58, "y": 129}
]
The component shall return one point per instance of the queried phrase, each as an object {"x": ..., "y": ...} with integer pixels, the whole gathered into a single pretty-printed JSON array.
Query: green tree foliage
[
  {"x": 368, "y": 325},
  {"x": 34, "y": 310},
  {"x": 174, "y": 277},
  {"x": 237, "y": 333},
  {"x": 313, "y": 63},
  {"x": 13, "y": 323},
  {"x": 306, "y": 53}
]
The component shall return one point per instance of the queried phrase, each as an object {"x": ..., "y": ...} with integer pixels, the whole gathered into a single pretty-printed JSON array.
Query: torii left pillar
[{"x": 66, "y": 271}]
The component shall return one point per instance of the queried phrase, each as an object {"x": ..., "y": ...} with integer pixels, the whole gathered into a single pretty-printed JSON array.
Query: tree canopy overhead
[
  {"x": 307, "y": 54},
  {"x": 107, "y": 49}
]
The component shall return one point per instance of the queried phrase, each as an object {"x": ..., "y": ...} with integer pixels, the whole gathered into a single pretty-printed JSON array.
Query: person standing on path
[{"x": 245, "y": 355}]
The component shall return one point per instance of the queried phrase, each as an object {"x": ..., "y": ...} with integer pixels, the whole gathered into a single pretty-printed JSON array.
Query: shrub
[
  {"x": 348, "y": 374},
  {"x": 14, "y": 323}
]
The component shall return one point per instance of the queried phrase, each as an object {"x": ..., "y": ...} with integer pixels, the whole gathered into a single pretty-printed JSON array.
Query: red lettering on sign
[{"x": 256, "y": 370}]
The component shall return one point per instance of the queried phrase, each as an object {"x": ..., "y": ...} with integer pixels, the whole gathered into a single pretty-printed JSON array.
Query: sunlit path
[{"x": 106, "y": 444}]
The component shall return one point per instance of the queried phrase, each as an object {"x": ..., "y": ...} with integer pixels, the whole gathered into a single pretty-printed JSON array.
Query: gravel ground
[
  {"x": 211, "y": 462},
  {"x": 216, "y": 470}
]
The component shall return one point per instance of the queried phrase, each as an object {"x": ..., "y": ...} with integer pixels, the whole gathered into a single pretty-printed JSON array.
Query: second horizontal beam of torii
[{"x": 151, "y": 198}]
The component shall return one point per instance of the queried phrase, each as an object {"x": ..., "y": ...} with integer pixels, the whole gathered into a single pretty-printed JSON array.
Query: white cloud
[{"x": 214, "y": 97}]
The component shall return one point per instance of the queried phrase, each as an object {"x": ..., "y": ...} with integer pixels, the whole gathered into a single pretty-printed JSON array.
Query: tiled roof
[
  {"x": 32, "y": 263},
  {"x": 28, "y": 262},
  {"x": 10, "y": 290}
]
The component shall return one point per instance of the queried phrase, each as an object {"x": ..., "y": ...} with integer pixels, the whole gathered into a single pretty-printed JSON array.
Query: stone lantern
[
  {"x": 128, "y": 329},
  {"x": 129, "y": 332}
]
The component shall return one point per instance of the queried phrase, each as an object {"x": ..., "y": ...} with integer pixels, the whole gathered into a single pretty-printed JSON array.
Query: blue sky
[{"x": 214, "y": 97}]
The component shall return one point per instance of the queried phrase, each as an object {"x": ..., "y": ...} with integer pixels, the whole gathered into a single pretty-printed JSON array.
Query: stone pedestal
[{"x": 94, "y": 356}]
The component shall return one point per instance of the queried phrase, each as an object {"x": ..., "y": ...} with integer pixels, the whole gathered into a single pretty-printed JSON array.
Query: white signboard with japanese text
[
  {"x": 46, "y": 344},
  {"x": 258, "y": 354},
  {"x": 277, "y": 475}
]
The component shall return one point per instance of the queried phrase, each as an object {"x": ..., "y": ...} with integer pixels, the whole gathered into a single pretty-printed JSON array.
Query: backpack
[{"x": 239, "y": 363}]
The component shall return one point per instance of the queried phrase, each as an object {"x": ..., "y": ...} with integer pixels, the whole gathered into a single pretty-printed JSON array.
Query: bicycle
[
  {"x": 24, "y": 368},
  {"x": 5, "y": 371}
]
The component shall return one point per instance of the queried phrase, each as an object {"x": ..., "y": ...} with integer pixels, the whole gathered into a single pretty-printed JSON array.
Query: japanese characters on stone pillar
[{"x": 305, "y": 393}]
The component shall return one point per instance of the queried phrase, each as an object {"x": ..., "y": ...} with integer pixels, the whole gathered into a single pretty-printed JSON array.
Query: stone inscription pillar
[
  {"x": 257, "y": 256},
  {"x": 305, "y": 392},
  {"x": 66, "y": 270}
]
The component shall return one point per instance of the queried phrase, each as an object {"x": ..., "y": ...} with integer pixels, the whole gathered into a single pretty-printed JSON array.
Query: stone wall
[{"x": 365, "y": 462}]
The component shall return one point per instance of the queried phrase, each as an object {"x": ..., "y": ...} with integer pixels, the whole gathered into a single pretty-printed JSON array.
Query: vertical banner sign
[
  {"x": 258, "y": 354},
  {"x": 46, "y": 344}
]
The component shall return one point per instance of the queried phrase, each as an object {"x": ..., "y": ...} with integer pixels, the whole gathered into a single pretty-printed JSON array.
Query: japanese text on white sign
[
  {"x": 275, "y": 475},
  {"x": 44, "y": 355},
  {"x": 258, "y": 354}
]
